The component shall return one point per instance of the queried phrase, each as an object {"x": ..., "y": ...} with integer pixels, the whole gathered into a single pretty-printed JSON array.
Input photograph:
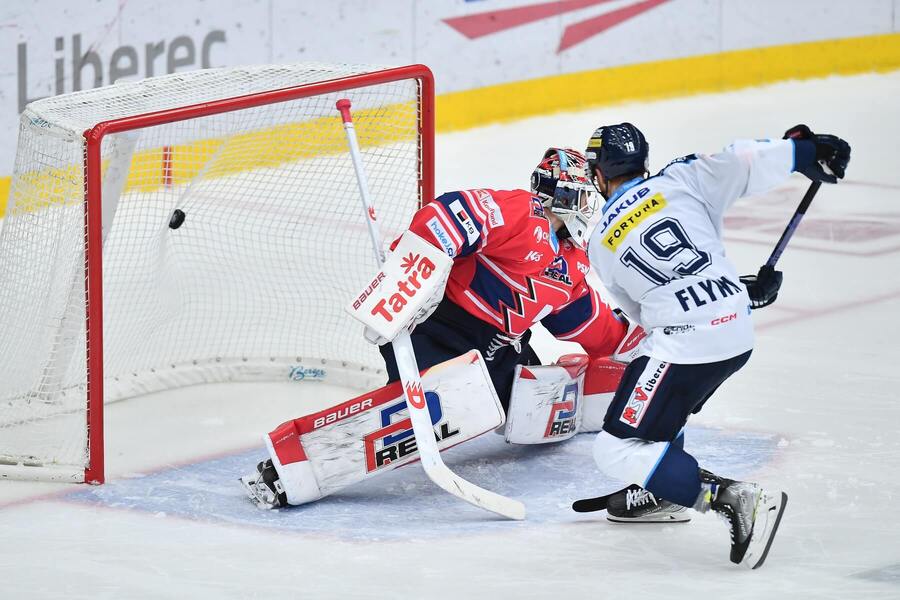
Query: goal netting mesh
[{"x": 250, "y": 286}]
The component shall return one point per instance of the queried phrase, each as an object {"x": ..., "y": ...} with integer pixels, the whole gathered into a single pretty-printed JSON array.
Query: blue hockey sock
[{"x": 676, "y": 477}]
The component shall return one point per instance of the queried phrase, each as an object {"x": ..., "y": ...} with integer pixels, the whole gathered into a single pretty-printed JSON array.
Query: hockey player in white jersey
[{"x": 658, "y": 250}]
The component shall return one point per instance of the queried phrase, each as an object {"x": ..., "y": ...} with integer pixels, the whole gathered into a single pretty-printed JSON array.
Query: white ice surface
[{"x": 815, "y": 412}]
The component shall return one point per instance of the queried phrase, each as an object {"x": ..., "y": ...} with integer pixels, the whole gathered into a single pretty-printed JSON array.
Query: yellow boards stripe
[
  {"x": 153, "y": 168},
  {"x": 271, "y": 146},
  {"x": 667, "y": 78},
  {"x": 4, "y": 194},
  {"x": 622, "y": 226},
  {"x": 517, "y": 100}
]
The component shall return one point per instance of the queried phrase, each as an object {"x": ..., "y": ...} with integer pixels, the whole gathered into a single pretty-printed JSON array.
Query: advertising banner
[{"x": 49, "y": 47}]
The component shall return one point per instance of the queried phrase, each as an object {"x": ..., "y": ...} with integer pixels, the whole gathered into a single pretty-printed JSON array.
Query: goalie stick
[{"x": 419, "y": 415}]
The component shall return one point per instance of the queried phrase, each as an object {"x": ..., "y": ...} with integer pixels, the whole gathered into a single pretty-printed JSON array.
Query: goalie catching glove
[{"x": 404, "y": 292}]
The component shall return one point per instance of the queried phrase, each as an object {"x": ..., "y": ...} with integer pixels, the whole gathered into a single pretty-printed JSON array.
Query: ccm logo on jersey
[
  {"x": 562, "y": 414},
  {"x": 725, "y": 319},
  {"x": 394, "y": 440},
  {"x": 643, "y": 393}
]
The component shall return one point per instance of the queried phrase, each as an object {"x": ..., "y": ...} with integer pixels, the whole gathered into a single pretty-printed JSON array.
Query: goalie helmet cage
[{"x": 108, "y": 291}]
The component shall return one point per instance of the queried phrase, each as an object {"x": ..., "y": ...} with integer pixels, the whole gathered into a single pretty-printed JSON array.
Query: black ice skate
[
  {"x": 264, "y": 487},
  {"x": 753, "y": 514},
  {"x": 634, "y": 504}
]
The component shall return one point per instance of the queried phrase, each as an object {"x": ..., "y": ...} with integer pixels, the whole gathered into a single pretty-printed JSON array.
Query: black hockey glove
[
  {"x": 762, "y": 287},
  {"x": 821, "y": 157}
]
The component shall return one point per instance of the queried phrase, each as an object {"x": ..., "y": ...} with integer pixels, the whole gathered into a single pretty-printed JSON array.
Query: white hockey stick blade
[
  {"x": 450, "y": 482},
  {"x": 429, "y": 454}
]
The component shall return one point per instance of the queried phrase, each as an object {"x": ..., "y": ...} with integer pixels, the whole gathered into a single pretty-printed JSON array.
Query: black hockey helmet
[{"x": 617, "y": 150}]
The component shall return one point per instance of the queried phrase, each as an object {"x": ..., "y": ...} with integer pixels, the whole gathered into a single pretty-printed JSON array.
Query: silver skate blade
[
  {"x": 768, "y": 515},
  {"x": 680, "y": 517},
  {"x": 249, "y": 484}
]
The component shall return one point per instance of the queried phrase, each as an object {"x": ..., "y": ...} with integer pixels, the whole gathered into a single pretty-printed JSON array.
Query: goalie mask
[{"x": 561, "y": 183}]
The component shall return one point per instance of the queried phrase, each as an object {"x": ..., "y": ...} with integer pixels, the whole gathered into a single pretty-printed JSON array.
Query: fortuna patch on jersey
[
  {"x": 613, "y": 237},
  {"x": 647, "y": 384},
  {"x": 463, "y": 218}
]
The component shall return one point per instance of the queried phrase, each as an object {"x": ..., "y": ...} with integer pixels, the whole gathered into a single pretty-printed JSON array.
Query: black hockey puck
[{"x": 177, "y": 219}]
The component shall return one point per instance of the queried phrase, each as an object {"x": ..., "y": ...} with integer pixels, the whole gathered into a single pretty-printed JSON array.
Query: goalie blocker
[
  {"x": 406, "y": 289},
  {"x": 324, "y": 452}
]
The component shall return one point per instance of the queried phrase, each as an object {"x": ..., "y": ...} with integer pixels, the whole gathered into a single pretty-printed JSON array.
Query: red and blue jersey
[{"x": 511, "y": 271}]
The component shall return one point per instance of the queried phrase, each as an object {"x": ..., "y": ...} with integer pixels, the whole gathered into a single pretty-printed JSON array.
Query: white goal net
[{"x": 248, "y": 286}]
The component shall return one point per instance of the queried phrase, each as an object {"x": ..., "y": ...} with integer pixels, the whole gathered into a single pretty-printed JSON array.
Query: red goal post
[{"x": 217, "y": 191}]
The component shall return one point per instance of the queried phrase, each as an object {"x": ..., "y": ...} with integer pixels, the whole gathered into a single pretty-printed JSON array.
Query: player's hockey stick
[
  {"x": 767, "y": 271},
  {"x": 593, "y": 504},
  {"x": 793, "y": 223},
  {"x": 426, "y": 442}
]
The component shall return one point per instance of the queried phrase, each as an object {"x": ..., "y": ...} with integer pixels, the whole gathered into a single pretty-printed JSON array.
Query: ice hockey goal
[{"x": 196, "y": 227}]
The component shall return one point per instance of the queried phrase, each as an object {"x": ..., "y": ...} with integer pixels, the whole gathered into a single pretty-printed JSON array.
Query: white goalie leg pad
[
  {"x": 600, "y": 383},
  {"x": 630, "y": 460},
  {"x": 295, "y": 474},
  {"x": 545, "y": 405},
  {"x": 319, "y": 454},
  {"x": 630, "y": 347}
]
